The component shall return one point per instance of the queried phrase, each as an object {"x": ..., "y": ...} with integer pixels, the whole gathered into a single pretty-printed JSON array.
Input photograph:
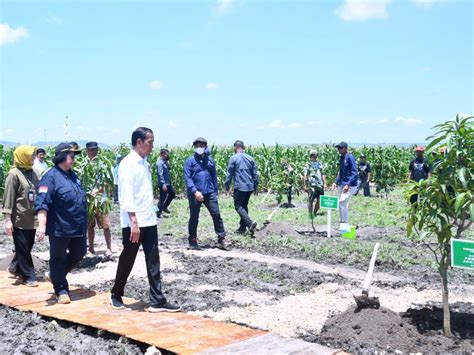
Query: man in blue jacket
[
  {"x": 167, "y": 193},
  {"x": 346, "y": 180},
  {"x": 243, "y": 170},
  {"x": 201, "y": 181}
]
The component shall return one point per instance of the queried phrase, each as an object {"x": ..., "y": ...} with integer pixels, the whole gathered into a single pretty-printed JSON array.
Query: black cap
[
  {"x": 239, "y": 143},
  {"x": 341, "y": 145},
  {"x": 66, "y": 148},
  {"x": 200, "y": 140},
  {"x": 92, "y": 145}
]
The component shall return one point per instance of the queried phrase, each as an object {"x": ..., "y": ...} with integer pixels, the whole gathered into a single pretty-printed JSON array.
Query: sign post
[
  {"x": 462, "y": 253},
  {"x": 330, "y": 203}
]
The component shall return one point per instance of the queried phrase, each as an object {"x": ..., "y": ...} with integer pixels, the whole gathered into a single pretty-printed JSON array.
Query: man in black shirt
[
  {"x": 419, "y": 169},
  {"x": 364, "y": 171}
]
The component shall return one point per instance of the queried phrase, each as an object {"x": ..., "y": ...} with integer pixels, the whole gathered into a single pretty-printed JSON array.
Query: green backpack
[{"x": 315, "y": 176}]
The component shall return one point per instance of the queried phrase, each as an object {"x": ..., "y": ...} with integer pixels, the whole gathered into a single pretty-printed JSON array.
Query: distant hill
[
  {"x": 82, "y": 144},
  {"x": 8, "y": 144}
]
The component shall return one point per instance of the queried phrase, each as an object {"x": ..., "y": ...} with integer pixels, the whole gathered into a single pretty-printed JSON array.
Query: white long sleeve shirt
[{"x": 136, "y": 191}]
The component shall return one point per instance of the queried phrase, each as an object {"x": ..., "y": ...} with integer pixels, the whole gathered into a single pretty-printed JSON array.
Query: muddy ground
[{"x": 264, "y": 284}]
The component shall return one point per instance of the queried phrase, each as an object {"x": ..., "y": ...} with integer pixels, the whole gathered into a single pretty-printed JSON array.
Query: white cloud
[
  {"x": 362, "y": 10},
  {"x": 10, "y": 35},
  {"x": 295, "y": 125},
  {"x": 224, "y": 6},
  {"x": 276, "y": 124},
  {"x": 172, "y": 124},
  {"x": 156, "y": 84},
  {"x": 408, "y": 121},
  {"x": 427, "y": 3},
  {"x": 212, "y": 86}
]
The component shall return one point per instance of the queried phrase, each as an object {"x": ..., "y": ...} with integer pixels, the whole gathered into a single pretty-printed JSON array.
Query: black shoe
[
  {"x": 158, "y": 215},
  {"x": 116, "y": 302},
  {"x": 253, "y": 228},
  {"x": 221, "y": 243},
  {"x": 165, "y": 210},
  {"x": 193, "y": 244},
  {"x": 167, "y": 307},
  {"x": 241, "y": 231}
]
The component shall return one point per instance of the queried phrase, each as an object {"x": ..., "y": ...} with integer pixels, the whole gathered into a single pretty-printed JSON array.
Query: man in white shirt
[
  {"x": 138, "y": 220},
  {"x": 39, "y": 165}
]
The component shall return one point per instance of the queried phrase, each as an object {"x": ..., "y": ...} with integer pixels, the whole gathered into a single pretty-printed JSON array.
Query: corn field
[{"x": 389, "y": 164}]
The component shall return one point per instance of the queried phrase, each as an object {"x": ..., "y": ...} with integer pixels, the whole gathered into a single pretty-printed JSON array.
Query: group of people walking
[{"x": 58, "y": 200}]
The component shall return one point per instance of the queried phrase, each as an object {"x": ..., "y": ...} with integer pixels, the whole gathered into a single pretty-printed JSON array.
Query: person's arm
[
  {"x": 42, "y": 219},
  {"x": 410, "y": 170},
  {"x": 305, "y": 178},
  {"x": 213, "y": 173},
  {"x": 188, "y": 179},
  {"x": 134, "y": 229},
  {"x": 9, "y": 200},
  {"x": 369, "y": 172},
  {"x": 127, "y": 194},
  {"x": 255, "y": 176},
  {"x": 44, "y": 198},
  {"x": 230, "y": 174}
]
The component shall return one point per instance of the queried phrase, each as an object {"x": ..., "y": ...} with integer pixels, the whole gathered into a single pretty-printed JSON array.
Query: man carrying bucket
[{"x": 346, "y": 183}]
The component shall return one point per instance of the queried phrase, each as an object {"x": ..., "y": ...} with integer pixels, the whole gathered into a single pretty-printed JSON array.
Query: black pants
[
  {"x": 115, "y": 193},
  {"x": 149, "y": 241},
  {"x": 413, "y": 199},
  {"x": 241, "y": 202},
  {"x": 65, "y": 253},
  {"x": 212, "y": 205},
  {"x": 165, "y": 198},
  {"x": 24, "y": 240},
  {"x": 365, "y": 186}
]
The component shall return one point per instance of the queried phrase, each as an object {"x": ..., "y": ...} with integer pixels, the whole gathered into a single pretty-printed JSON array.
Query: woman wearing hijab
[
  {"x": 18, "y": 206},
  {"x": 62, "y": 215}
]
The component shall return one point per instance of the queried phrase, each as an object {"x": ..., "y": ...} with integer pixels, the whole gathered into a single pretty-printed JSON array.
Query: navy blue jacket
[
  {"x": 60, "y": 194},
  {"x": 243, "y": 170},
  {"x": 200, "y": 174},
  {"x": 347, "y": 171},
  {"x": 163, "y": 173}
]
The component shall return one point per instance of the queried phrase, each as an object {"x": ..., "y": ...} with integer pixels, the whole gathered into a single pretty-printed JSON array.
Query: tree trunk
[{"x": 443, "y": 270}]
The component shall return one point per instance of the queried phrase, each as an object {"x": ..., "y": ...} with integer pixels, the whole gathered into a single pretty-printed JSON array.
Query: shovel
[
  {"x": 269, "y": 218},
  {"x": 364, "y": 301}
]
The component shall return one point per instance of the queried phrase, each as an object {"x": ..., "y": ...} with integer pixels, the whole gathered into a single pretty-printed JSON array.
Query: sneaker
[
  {"x": 31, "y": 283},
  {"x": 12, "y": 271},
  {"x": 240, "y": 231},
  {"x": 165, "y": 210},
  {"x": 167, "y": 307},
  {"x": 116, "y": 302},
  {"x": 253, "y": 228},
  {"x": 47, "y": 277},
  {"x": 193, "y": 245},
  {"x": 63, "y": 299}
]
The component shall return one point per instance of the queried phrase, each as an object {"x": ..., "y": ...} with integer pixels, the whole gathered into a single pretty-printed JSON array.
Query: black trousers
[
  {"x": 165, "y": 198},
  {"x": 365, "y": 186},
  {"x": 65, "y": 253},
  {"x": 241, "y": 202},
  {"x": 24, "y": 240},
  {"x": 149, "y": 241},
  {"x": 212, "y": 205}
]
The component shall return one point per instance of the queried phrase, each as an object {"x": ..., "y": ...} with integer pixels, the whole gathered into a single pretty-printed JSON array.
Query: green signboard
[
  {"x": 462, "y": 253},
  {"x": 330, "y": 202}
]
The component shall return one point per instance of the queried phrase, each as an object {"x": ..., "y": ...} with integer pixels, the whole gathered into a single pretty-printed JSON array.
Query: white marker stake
[{"x": 329, "y": 223}]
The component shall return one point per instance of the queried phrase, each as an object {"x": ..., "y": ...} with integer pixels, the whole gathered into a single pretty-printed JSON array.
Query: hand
[
  {"x": 255, "y": 192},
  {"x": 41, "y": 232},
  {"x": 135, "y": 233},
  {"x": 334, "y": 186},
  {"x": 306, "y": 189},
  {"x": 165, "y": 188},
  {"x": 8, "y": 227},
  {"x": 199, "y": 196},
  {"x": 345, "y": 188}
]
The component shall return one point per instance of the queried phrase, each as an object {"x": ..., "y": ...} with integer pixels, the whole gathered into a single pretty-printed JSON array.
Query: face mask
[{"x": 199, "y": 150}]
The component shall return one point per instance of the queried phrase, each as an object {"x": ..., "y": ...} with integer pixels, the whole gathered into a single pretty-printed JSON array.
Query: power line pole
[{"x": 66, "y": 124}]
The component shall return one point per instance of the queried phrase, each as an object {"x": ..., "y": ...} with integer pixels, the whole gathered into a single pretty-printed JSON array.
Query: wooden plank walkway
[{"x": 175, "y": 332}]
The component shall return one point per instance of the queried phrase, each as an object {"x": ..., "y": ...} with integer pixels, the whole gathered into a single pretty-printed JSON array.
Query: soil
[
  {"x": 417, "y": 330},
  {"x": 25, "y": 332},
  {"x": 41, "y": 266}
]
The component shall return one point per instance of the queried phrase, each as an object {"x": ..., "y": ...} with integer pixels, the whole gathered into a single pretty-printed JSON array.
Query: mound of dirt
[
  {"x": 370, "y": 330},
  {"x": 277, "y": 228},
  {"x": 41, "y": 266}
]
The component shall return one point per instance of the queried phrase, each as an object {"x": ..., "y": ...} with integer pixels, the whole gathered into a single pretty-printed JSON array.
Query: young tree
[{"x": 445, "y": 208}]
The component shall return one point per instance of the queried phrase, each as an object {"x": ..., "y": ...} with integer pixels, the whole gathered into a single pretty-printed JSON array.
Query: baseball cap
[
  {"x": 341, "y": 145},
  {"x": 313, "y": 152},
  {"x": 419, "y": 148},
  {"x": 200, "y": 140},
  {"x": 92, "y": 145}
]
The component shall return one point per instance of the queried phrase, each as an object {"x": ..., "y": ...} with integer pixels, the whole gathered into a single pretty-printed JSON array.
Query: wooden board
[{"x": 175, "y": 332}]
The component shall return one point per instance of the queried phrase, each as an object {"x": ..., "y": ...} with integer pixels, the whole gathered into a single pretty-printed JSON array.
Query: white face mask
[{"x": 199, "y": 150}]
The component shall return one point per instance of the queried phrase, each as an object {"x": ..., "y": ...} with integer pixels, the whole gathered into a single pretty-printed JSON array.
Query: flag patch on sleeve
[{"x": 43, "y": 189}]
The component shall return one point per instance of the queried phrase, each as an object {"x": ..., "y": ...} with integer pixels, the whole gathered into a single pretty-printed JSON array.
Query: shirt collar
[{"x": 136, "y": 157}]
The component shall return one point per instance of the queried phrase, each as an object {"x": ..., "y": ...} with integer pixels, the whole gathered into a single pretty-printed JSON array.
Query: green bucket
[{"x": 351, "y": 234}]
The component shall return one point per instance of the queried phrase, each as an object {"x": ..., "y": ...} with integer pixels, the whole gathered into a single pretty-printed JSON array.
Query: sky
[{"x": 280, "y": 71}]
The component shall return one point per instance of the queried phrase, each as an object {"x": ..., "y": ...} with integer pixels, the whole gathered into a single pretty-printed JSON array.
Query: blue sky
[{"x": 262, "y": 71}]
